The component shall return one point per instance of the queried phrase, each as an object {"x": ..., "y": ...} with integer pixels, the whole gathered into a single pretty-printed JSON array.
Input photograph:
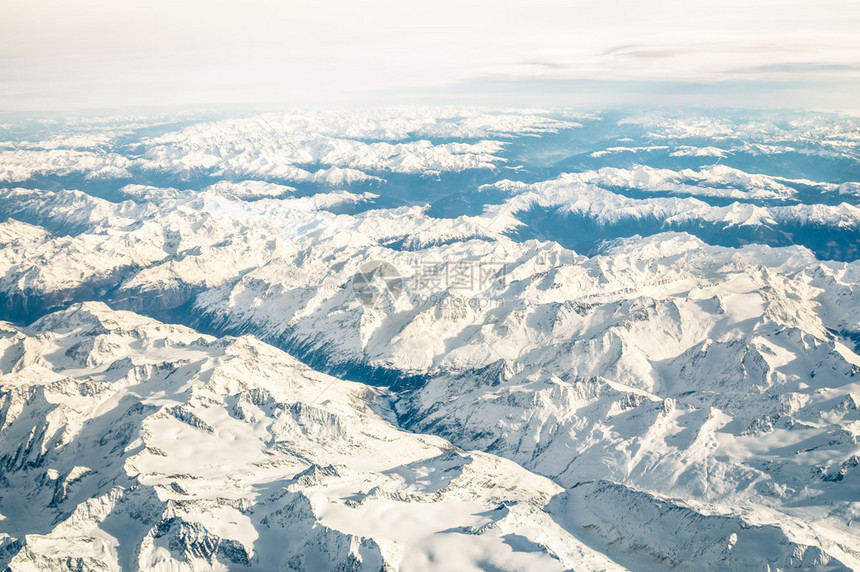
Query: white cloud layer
[{"x": 59, "y": 54}]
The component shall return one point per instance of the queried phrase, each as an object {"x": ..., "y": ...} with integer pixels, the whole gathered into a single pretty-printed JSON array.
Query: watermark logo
[
  {"x": 465, "y": 276},
  {"x": 377, "y": 284},
  {"x": 471, "y": 284}
]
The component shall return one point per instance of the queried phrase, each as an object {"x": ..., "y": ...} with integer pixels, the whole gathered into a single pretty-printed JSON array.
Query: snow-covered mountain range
[{"x": 618, "y": 340}]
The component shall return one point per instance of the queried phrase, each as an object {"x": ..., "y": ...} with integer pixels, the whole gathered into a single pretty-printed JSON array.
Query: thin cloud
[{"x": 107, "y": 53}]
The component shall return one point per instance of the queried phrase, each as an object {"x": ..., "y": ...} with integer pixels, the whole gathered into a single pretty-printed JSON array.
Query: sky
[{"x": 57, "y": 55}]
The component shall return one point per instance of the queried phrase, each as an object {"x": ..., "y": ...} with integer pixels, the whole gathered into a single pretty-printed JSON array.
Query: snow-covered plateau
[{"x": 431, "y": 339}]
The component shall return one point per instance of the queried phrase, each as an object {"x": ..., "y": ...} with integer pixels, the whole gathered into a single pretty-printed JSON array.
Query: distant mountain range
[{"x": 579, "y": 341}]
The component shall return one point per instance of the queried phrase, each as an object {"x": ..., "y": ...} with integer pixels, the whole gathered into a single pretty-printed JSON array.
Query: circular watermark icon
[{"x": 377, "y": 284}]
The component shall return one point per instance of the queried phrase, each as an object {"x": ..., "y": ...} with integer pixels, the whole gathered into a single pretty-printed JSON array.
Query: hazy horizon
[{"x": 59, "y": 56}]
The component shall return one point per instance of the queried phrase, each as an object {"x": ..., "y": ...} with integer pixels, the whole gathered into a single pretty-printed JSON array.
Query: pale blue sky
[{"x": 60, "y": 55}]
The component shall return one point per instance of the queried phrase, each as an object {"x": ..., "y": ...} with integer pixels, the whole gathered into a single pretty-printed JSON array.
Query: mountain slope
[
  {"x": 131, "y": 444},
  {"x": 614, "y": 340}
]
